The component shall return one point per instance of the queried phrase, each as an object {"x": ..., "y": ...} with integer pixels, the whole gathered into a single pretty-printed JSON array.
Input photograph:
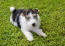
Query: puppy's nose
[{"x": 33, "y": 24}]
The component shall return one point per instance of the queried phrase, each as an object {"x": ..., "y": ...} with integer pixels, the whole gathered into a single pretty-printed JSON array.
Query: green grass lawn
[{"x": 52, "y": 15}]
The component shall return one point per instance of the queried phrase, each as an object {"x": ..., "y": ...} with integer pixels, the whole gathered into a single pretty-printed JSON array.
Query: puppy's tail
[{"x": 12, "y": 9}]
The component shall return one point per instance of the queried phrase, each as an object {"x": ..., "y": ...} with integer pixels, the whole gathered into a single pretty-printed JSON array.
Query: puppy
[{"x": 28, "y": 21}]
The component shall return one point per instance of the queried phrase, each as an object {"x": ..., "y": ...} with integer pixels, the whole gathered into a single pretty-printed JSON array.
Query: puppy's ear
[
  {"x": 36, "y": 11},
  {"x": 30, "y": 10},
  {"x": 24, "y": 12}
]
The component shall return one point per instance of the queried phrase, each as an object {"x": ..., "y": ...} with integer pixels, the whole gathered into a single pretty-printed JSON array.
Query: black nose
[{"x": 33, "y": 24}]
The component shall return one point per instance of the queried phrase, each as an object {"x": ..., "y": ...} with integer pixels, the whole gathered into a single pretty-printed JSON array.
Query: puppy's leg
[
  {"x": 28, "y": 34},
  {"x": 11, "y": 20},
  {"x": 39, "y": 32}
]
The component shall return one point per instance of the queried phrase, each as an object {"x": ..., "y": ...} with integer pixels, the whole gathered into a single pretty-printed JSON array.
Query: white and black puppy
[{"x": 27, "y": 21}]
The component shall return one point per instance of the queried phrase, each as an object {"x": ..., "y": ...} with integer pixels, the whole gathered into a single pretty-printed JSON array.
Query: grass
[{"x": 52, "y": 15}]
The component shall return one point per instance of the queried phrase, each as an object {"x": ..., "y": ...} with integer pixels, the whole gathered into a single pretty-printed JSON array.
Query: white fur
[
  {"x": 26, "y": 27},
  {"x": 12, "y": 9}
]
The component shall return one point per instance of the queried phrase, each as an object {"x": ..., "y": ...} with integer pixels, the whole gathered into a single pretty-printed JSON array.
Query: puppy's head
[{"x": 32, "y": 17}]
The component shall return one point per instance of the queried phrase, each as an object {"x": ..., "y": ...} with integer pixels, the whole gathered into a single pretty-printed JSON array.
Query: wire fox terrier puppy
[{"x": 27, "y": 21}]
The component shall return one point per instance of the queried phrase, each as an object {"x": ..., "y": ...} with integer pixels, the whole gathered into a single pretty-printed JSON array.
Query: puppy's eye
[{"x": 35, "y": 16}]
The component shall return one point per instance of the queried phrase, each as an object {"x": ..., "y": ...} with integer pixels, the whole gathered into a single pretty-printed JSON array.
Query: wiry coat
[{"x": 27, "y": 20}]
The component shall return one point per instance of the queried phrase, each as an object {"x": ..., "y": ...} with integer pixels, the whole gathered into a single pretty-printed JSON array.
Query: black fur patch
[
  {"x": 16, "y": 14},
  {"x": 18, "y": 22}
]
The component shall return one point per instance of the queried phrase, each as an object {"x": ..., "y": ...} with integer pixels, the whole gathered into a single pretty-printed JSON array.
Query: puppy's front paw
[
  {"x": 44, "y": 35},
  {"x": 30, "y": 38}
]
